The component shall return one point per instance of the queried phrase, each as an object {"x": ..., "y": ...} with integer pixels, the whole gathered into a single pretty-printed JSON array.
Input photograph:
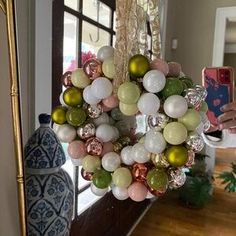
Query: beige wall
[
  {"x": 192, "y": 22},
  {"x": 9, "y": 221}
]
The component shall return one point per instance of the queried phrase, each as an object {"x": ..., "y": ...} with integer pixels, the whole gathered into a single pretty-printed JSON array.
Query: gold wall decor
[{"x": 7, "y": 6}]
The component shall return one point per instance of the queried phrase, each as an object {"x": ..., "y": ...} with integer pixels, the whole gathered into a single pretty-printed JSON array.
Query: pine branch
[{"x": 229, "y": 179}]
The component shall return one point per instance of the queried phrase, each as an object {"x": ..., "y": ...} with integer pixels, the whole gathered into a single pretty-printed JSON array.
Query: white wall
[{"x": 9, "y": 218}]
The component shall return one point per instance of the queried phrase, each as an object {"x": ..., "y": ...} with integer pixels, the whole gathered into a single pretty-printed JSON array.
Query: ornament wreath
[{"x": 139, "y": 141}]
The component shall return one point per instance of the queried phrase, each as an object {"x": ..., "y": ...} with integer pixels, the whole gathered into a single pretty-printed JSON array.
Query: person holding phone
[{"x": 227, "y": 120}]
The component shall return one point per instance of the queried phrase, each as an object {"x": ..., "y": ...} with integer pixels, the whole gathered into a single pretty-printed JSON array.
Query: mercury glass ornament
[
  {"x": 201, "y": 91},
  {"x": 86, "y": 131},
  {"x": 94, "y": 111},
  {"x": 94, "y": 146},
  {"x": 193, "y": 98},
  {"x": 191, "y": 156},
  {"x": 159, "y": 160},
  {"x": 157, "y": 121},
  {"x": 195, "y": 142},
  {"x": 177, "y": 178}
]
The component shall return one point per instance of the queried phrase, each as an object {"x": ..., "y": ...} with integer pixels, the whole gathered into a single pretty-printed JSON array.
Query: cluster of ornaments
[{"x": 102, "y": 128}]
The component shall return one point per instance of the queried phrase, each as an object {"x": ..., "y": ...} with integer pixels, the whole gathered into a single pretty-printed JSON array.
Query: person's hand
[{"x": 228, "y": 119}]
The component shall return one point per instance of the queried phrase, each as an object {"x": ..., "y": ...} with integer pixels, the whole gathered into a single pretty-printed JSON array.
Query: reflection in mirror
[{"x": 230, "y": 44}]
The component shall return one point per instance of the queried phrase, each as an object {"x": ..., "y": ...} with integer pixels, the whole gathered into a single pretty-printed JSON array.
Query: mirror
[
  {"x": 35, "y": 47},
  {"x": 230, "y": 44}
]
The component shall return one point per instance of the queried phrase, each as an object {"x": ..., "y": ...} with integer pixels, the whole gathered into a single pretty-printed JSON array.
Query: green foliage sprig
[{"x": 229, "y": 179}]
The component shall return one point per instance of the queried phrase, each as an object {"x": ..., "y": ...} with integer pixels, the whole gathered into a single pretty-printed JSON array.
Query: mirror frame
[{"x": 7, "y": 7}]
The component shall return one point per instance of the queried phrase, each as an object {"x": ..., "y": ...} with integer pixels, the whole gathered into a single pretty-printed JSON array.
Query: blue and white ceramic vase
[{"x": 49, "y": 188}]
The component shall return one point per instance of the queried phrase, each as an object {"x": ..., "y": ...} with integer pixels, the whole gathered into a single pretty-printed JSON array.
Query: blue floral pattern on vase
[
  {"x": 49, "y": 189},
  {"x": 49, "y": 204}
]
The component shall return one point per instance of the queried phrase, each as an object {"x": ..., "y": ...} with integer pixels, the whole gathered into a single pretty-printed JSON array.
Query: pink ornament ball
[
  {"x": 76, "y": 149},
  {"x": 110, "y": 102},
  {"x": 174, "y": 69},
  {"x": 105, "y": 108},
  {"x": 161, "y": 65},
  {"x": 107, "y": 147},
  {"x": 137, "y": 191}
]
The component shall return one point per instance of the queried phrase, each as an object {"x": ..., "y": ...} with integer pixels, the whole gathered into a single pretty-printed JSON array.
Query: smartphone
[{"x": 219, "y": 83}]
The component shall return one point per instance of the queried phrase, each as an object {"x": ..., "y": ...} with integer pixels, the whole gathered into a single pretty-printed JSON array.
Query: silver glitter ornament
[
  {"x": 86, "y": 131},
  {"x": 195, "y": 142},
  {"x": 94, "y": 111},
  {"x": 201, "y": 91},
  {"x": 192, "y": 97},
  {"x": 191, "y": 156},
  {"x": 157, "y": 121},
  {"x": 177, "y": 178}
]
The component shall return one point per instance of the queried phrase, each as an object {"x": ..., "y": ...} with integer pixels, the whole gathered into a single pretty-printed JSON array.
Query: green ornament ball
[
  {"x": 203, "y": 107},
  {"x": 58, "y": 115},
  {"x": 177, "y": 156},
  {"x": 128, "y": 109},
  {"x": 138, "y": 65},
  {"x": 122, "y": 177},
  {"x": 101, "y": 178},
  {"x": 173, "y": 86},
  {"x": 187, "y": 82},
  {"x": 191, "y": 119},
  {"x": 72, "y": 96},
  {"x": 175, "y": 133},
  {"x": 157, "y": 179},
  {"x": 128, "y": 93},
  {"x": 91, "y": 163},
  {"x": 76, "y": 116}
]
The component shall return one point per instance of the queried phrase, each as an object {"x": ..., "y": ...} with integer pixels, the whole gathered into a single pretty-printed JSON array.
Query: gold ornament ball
[
  {"x": 177, "y": 155},
  {"x": 138, "y": 66},
  {"x": 59, "y": 115},
  {"x": 72, "y": 97},
  {"x": 159, "y": 160}
]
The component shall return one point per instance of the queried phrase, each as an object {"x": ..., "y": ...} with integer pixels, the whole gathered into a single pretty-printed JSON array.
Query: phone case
[{"x": 219, "y": 83}]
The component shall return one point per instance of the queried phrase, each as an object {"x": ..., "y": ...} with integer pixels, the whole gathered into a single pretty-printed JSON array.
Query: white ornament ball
[
  {"x": 116, "y": 134},
  {"x": 105, "y": 52},
  {"x": 105, "y": 132},
  {"x": 175, "y": 106},
  {"x": 126, "y": 155},
  {"x": 55, "y": 127},
  {"x": 101, "y": 88},
  {"x": 154, "y": 142},
  {"x": 89, "y": 97},
  {"x": 111, "y": 161},
  {"x": 102, "y": 119},
  {"x": 148, "y": 104},
  {"x": 120, "y": 193},
  {"x": 98, "y": 191},
  {"x": 140, "y": 154},
  {"x": 66, "y": 133},
  {"x": 154, "y": 81},
  {"x": 61, "y": 100}
]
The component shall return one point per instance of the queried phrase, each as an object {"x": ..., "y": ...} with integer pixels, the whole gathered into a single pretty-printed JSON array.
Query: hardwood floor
[{"x": 167, "y": 217}]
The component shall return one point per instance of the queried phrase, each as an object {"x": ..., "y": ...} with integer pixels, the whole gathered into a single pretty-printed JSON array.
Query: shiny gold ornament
[
  {"x": 59, "y": 115},
  {"x": 72, "y": 97},
  {"x": 159, "y": 160},
  {"x": 177, "y": 155},
  {"x": 124, "y": 141},
  {"x": 138, "y": 66},
  {"x": 117, "y": 147}
]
